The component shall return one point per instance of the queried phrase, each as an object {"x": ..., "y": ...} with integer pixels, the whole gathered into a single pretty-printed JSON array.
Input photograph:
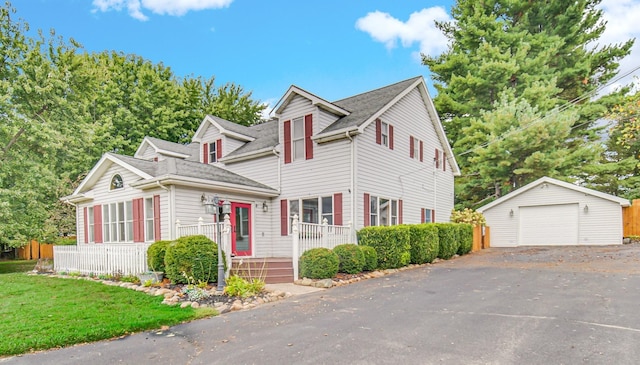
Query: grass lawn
[
  {"x": 7, "y": 266},
  {"x": 41, "y": 312}
]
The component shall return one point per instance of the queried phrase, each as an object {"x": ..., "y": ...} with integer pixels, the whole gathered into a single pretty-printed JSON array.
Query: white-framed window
[
  {"x": 383, "y": 211},
  {"x": 149, "y": 225},
  {"x": 91, "y": 225},
  {"x": 384, "y": 134},
  {"x": 314, "y": 210},
  {"x": 427, "y": 215},
  {"x": 113, "y": 222},
  {"x": 213, "y": 152},
  {"x": 297, "y": 139},
  {"x": 416, "y": 149},
  {"x": 116, "y": 182},
  {"x": 128, "y": 209},
  {"x": 105, "y": 224}
]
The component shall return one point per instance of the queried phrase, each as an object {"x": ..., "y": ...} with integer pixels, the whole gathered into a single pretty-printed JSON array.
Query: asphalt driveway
[{"x": 566, "y": 305}]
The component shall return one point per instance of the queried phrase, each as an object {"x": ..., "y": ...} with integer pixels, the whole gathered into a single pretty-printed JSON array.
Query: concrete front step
[{"x": 273, "y": 270}]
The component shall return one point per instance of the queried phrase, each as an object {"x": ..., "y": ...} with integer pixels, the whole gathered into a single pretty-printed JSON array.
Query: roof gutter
[
  {"x": 339, "y": 134},
  {"x": 205, "y": 184},
  {"x": 248, "y": 156}
]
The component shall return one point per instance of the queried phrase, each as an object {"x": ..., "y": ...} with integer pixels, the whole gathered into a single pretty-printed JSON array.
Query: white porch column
[
  {"x": 296, "y": 245},
  {"x": 200, "y": 220},
  {"x": 323, "y": 233},
  {"x": 178, "y": 233}
]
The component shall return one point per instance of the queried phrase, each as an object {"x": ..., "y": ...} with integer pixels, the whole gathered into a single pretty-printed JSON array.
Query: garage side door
[{"x": 549, "y": 225}]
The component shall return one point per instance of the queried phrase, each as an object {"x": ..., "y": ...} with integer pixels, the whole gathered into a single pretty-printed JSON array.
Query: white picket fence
[
  {"x": 107, "y": 258},
  {"x": 310, "y": 235}
]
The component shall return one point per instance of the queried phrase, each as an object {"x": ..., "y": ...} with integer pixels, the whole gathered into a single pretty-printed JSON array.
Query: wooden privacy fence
[
  {"x": 35, "y": 250},
  {"x": 481, "y": 238},
  {"x": 631, "y": 219}
]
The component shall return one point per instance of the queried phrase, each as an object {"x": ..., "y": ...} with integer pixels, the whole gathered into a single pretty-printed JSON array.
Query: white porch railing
[
  {"x": 210, "y": 230},
  {"x": 102, "y": 258},
  {"x": 310, "y": 235}
]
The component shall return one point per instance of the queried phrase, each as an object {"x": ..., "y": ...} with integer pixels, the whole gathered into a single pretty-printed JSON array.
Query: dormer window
[
  {"x": 213, "y": 154},
  {"x": 298, "y": 138},
  {"x": 116, "y": 182}
]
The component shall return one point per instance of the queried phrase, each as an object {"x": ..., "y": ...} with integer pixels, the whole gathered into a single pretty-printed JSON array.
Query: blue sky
[{"x": 331, "y": 48}]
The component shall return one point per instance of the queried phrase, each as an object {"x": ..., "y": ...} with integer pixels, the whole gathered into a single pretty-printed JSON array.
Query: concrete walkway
[{"x": 292, "y": 288}]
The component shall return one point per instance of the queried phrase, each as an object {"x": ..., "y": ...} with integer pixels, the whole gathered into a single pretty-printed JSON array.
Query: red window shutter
[
  {"x": 378, "y": 131},
  {"x": 287, "y": 141},
  {"x": 437, "y": 158},
  {"x": 422, "y": 215},
  {"x": 367, "y": 203},
  {"x": 390, "y": 137},
  {"x": 308, "y": 132},
  {"x": 138, "y": 235},
  {"x": 411, "y": 146},
  {"x": 205, "y": 153},
  {"x": 284, "y": 218},
  {"x": 97, "y": 223},
  {"x": 337, "y": 209},
  {"x": 219, "y": 149},
  {"x": 444, "y": 161},
  {"x": 421, "y": 153},
  {"x": 433, "y": 215},
  {"x": 86, "y": 226},
  {"x": 399, "y": 211},
  {"x": 156, "y": 218}
]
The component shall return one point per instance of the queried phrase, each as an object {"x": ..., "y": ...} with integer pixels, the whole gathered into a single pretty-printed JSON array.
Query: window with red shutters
[
  {"x": 287, "y": 141},
  {"x": 97, "y": 216},
  {"x": 308, "y": 133},
  {"x": 367, "y": 207},
  {"x": 337, "y": 209}
]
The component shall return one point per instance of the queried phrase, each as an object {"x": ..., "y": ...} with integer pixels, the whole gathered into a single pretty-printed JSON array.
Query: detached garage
[{"x": 552, "y": 212}]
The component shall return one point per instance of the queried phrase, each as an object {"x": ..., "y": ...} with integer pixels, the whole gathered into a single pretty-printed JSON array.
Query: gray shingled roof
[
  {"x": 234, "y": 127},
  {"x": 183, "y": 168},
  {"x": 266, "y": 136},
  {"x": 364, "y": 105},
  {"x": 171, "y": 146}
]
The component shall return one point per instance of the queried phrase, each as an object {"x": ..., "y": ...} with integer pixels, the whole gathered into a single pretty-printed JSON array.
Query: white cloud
[
  {"x": 162, "y": 7},
  {"x": 420, "y": 28},
  {"x": 622, "y": 24}
]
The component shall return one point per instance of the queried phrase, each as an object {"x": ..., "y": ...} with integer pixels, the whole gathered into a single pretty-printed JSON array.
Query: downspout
[
  {"x": 352, "y": 205},
  {"x": 171, "y": 212},
  {"x": 275, "y": 152}
]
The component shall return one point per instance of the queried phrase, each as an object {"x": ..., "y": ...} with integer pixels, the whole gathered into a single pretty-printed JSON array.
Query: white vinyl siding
[
  {"x": 416, "y": 183},
  {"x": 263, "y": 170}
]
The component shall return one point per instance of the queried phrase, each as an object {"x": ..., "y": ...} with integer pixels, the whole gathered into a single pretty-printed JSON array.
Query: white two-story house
[{"x": 377, "y": 158}]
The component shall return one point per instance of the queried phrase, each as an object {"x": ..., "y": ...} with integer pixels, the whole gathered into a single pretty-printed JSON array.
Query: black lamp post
[{"x": 218, "y": 209}]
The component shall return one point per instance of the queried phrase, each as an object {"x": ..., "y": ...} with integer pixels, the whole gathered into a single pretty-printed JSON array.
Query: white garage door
[{"x": 549, "y": 225}]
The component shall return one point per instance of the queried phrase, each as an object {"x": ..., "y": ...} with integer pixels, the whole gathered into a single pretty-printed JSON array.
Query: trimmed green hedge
[
  {"x": 448, "y": 240},
  {"x": 465, "y": 237},
  {"x": 370, "y": 258},
  {"x": 351, "y": 258},
  {"x": 392, "y": 244},
  {"x": 424, "y": 243},
  {"x": 155, "y": 255},
  {"x": 195, "y": 256},
  {"x": 319, "y": 263}
]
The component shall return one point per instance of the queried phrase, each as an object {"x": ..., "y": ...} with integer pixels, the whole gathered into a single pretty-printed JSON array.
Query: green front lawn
[
  {"x": 7, "y": 266},
  {"x": 41, "y": 312}
]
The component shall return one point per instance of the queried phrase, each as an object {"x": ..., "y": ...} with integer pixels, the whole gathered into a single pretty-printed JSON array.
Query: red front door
[{"x": 241, "y": 229}]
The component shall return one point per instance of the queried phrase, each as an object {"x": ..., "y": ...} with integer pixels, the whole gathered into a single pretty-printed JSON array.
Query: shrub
[
  {"x": 370, "y": 258},
  {"x": 319, "y": 263},
  {"x": 468, "y": 216},
  {"x": 392, "y": 244},
  {"x": 424, "y": 243},
  {"x": 192, "y": 257},
  {"x": 65, "y": 241},
  {"x": 465, "y": 237},
  {"x": 155, "y": 255},
  {"x": 447, "y": 239},
  {"x": 240, "y": 287},
  {"x": 351, "y": 258}
]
